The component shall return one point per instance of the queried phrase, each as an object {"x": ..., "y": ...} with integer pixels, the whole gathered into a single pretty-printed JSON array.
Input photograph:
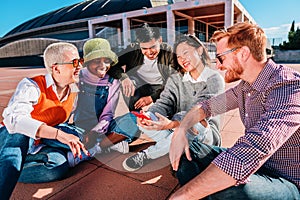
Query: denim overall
[
  {"x": 91, "y": 102},
  {"x": 90, "y": 105}
]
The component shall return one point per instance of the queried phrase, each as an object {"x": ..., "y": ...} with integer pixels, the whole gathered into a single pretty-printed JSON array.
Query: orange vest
[{"x": 49, "y": 109}]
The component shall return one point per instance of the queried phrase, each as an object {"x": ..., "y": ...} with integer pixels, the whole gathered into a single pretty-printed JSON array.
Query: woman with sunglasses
[
  {"x": 34, "y": 112},
  {"x": 195, "y": 82}
]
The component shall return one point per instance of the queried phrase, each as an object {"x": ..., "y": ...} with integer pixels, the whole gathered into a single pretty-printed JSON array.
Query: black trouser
[{"x": 143, "y": 91}]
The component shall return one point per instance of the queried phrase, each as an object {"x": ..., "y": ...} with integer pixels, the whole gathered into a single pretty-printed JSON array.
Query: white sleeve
[{"x": 17, "y": 117}]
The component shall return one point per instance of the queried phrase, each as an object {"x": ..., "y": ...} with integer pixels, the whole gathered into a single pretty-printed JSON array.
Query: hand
[
  {"x": 179, "y": 144},
  {"x": 101, "y": 127},
  {"x": 73, "y": 142},
  {"x": 128, "y": 87},
  {"x": 142, "y": 121},
  {"x": 142, "y": 102},
  {"x": 161, "y": 124}
]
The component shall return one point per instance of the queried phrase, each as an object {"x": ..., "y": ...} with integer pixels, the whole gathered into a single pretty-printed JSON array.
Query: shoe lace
[{"x": 139, "y": 158}]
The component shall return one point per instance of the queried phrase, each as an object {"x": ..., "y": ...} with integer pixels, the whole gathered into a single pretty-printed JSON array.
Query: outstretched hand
[{"x": 179, "y": 145}]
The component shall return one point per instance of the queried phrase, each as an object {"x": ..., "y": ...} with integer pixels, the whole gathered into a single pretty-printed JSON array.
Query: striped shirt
[{"x": 270, "y": 112}]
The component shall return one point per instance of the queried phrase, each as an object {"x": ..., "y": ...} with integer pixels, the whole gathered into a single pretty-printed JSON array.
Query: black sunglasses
[
  {"x": 219, "y": 55},
  {"x": 75, "y": 62}
]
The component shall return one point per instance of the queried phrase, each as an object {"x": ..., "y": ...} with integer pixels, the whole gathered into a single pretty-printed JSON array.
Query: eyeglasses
[
  {"x": 75, "y": 62},
  {"x": 219, "y": 56}
]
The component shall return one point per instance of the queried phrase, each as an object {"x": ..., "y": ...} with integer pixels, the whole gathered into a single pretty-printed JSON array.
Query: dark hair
[
  {"x": 146, "y": 33},
  {"x": 192, "y": 41}
]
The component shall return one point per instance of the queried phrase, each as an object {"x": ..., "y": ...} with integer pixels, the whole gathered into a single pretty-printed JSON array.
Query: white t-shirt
[{"x": 149, "y": 73}]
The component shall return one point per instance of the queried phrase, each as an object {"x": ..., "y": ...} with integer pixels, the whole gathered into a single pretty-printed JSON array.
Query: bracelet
[{"x": 56, "y": 134}]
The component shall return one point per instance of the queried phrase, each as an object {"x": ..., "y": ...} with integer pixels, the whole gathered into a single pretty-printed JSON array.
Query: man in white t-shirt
[{"x": 148, "y": 64}]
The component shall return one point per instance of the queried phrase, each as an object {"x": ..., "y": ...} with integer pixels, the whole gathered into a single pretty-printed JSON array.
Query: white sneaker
[{"x": 121, "y": 147}]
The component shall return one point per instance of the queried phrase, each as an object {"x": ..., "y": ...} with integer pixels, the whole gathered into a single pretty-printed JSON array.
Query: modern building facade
[{"x": 114, "y": 20}]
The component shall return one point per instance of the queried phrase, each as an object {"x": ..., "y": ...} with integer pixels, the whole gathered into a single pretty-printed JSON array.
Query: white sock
[{"x": 95, "y": 149}]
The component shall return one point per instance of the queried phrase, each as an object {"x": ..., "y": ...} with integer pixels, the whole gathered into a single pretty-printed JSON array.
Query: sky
[{"x": 274, "y": 16}]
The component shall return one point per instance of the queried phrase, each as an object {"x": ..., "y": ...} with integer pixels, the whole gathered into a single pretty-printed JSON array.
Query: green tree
[
  {"x": 293, "y": 27},
  {"x": 293, "y": 39}
]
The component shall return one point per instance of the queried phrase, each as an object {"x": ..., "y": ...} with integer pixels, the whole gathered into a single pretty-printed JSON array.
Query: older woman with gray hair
[{"x": 38, "y": 105}]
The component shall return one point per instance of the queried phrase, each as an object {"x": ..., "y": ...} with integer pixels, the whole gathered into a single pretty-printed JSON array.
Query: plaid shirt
[{"x": 270, "y": 112}]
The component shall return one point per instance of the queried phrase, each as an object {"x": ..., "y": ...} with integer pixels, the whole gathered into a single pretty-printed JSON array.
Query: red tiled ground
[{"x": 103, "y": 177}]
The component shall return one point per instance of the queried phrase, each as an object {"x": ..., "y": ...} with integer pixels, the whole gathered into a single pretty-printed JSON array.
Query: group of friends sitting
[{"x": 174, "y": 96}]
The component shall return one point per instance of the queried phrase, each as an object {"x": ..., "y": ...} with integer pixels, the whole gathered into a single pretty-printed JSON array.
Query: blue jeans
[
  {"x": 13, "y": 151},
  {"x": 263, "y": 184},
  {"x": 51, "y": 162},
  {"x": 163, "y": 139},
  {"x": 125, "y": 125}
]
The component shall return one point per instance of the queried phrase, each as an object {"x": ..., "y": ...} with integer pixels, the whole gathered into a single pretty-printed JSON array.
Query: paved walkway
[{"x": 104, "y": 177}]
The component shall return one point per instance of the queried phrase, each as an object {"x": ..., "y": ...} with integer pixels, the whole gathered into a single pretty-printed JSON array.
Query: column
[
  {"x": 170, "y": 27},
  {"x": 191, "y": 26},
  {"x": 91, "y": 29},
  {"x": 126, "y": 30},
  {"x": 229, "y": 13}
]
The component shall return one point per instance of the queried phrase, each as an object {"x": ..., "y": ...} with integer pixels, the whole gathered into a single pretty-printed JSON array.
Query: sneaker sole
[{"x": 128, "y": 168}]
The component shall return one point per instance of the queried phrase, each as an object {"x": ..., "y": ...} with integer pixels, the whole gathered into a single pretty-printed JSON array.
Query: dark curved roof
[{"x": 85, "y": 9}]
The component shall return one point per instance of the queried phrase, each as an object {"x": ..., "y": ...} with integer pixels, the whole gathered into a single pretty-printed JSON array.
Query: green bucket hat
[{"x": 98, "y": 48}]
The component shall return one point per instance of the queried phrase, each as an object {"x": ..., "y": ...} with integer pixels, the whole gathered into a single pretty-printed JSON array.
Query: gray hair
[{"x": 55, "y": 53}]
